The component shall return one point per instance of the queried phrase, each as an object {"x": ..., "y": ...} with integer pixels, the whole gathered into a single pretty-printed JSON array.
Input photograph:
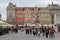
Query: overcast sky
[{"x": 4, "y": 4}]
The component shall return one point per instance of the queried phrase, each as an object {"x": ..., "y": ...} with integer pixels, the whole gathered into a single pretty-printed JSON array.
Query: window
[
  {"x": 33, "y": 16},
  {"x": 38, "y": 16},
  {"x": 10, "y": 6},
  {"x": 52, "y": 22},
  {"x": 14, "y": 5}
]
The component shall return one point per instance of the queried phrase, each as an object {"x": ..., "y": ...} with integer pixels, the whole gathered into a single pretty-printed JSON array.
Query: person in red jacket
[{"x": 51, "y": 33}]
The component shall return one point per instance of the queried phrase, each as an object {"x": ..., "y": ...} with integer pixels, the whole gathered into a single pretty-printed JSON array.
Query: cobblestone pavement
[{"x": 23, "y": 36}]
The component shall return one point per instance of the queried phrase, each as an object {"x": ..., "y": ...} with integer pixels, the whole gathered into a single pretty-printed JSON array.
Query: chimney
[
  {"x": 0, "y": 16},
  {"x": 52, "y": 3}
]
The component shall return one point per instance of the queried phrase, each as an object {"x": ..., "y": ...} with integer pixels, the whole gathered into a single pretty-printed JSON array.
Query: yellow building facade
[{"x": 28, "y": 16}]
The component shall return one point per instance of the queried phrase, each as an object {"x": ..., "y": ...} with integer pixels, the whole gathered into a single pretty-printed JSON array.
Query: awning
[
  {"x": 40, "y": 25},
  {"x": 29, "y": 24},
  {"x": 19, "y": 25},
  {"x": 33, "y": 24},
  {"x": 50, "y": 25},
  {"x": 45, "y": 25},
  {"x": 4, "y": 24}
]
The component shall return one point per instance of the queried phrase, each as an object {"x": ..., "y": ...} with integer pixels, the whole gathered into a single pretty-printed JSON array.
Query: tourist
[
  {"x": 34, "y": 32},
  {"x": 27, "y": 30},
  {"x": 51, "y": 33},
  {"x": 38, "y": 33},
  {"x": 12, "y": 29},
  {"x": 16, "y": 30},
  {"x": 30, "y": 30},
  {"x": 43, "y": 31},
  {"x": 47, "y": 33}
]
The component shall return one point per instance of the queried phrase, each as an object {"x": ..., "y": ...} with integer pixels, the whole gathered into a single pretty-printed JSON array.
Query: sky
[{"x": 4, "y": 4}]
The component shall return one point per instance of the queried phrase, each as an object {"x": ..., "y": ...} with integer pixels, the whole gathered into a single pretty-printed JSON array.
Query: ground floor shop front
[{"x": 40, "y": 26}]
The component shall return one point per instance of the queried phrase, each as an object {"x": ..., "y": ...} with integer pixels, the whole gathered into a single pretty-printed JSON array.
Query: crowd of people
[
  {"x": 8, "y": 30},
  {"x": 47, "y": 32}
]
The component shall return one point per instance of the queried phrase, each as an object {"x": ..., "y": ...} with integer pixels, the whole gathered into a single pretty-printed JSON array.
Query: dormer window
[
  {"x": 23, "y": 8},
  {"x": 39, "y": 9},
  {"x": 10, "y": 6},
  {"x": 38, "y": 16}
]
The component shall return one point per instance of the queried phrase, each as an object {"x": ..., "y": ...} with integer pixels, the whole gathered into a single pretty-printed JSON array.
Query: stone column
[{"x": 55, "y": 26}]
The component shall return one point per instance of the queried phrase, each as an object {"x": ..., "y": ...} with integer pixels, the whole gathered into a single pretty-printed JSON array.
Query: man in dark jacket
[{"x": 47, "y": 33}]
